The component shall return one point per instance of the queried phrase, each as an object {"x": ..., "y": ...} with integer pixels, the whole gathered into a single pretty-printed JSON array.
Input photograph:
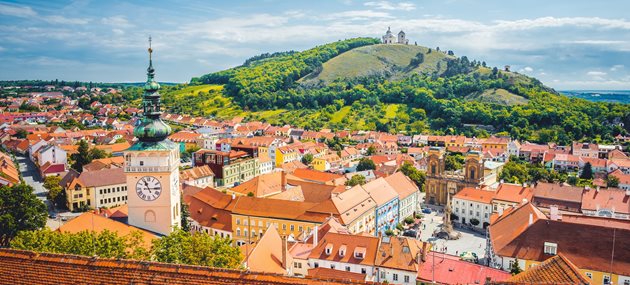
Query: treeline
[{"x": 252, "y": 86}]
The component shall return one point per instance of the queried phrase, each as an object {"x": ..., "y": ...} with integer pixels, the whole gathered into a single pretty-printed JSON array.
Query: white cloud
[
  {"x": 596, "y": 42},
  {"x": 595, "y": 73},
  {"x": 118, "y": 32},
  {"x": 386, "y": 5},
  {"x": 117, "y": 21},
  {"x": 17, "y": 11},
  {"x": 616, "y": 67},
  {"x": 528, "y": 69},
  {"x": 56, "y": 19}
]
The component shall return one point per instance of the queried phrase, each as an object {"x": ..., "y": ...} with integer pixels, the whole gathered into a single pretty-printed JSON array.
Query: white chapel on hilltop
[{"x": 389, "y": 38}]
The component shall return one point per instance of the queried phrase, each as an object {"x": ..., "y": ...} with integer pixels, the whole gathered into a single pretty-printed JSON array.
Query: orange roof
[
  {"x": 263, "y": 185},
  {"x": 326, "y": 273},
  {"x": 512, "y": 223},
  {"x": 401, "y": 253},
  {"x": 477, "y": 195},
  {"x": 266, "y": 256},
  {"x": 117, "y": 147},
  {"x": 402, "y": 184},
  {"x": 380, "y": 191},
  {"x": 92, "y": 222},
  {"x": 314, "y": 175},
  {"x": 513, "y": 193},
  {"x": 612, "y": 199},
  {"x": 555, "y": 270},
  {"x": 184, "y": 137},
  {"x": 336, "y": 242},
  {"x": 196, "y": 173},
  {"x": 29, "y": 267}
]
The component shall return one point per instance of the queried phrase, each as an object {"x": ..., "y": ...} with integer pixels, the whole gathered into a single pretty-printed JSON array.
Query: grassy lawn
[{"x": 339, "y": 115}]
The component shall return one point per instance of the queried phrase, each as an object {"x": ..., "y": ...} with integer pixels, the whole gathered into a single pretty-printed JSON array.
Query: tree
[
  {"x": 371, "y": 150},
  {"x": 85, "y": 155},
  {"x": 389, "y": 233},
  {"x": 183, "y": 247},
  {"x": 453, "y": 162},
  {"x": 307, "y": 158},
  {"x": 587, "y": 171},
  {"x": 413, "y": 173},
  {"x": 185, "y": 214},
  {"x": 515, "y": 268},
  {"x": 82, "y": 156},
  {"x": 474, "y": 222},
  {"x": 366, "y": 164},
  {"x": 409, "y": 220},
  {"x": 612, "y": 181},
  {"x": 356, "y": 180},
  {"x": 103, "y": 244},
  {"x": 51, "y": 183},
  {"x": 20, "y": 210},
  {"x": 21, "y": 134}
]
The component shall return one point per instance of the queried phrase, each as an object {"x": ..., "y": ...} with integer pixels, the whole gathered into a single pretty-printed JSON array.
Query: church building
[
  {"x": 152, "y": 167},
  {"x": 389, "y": 38}
]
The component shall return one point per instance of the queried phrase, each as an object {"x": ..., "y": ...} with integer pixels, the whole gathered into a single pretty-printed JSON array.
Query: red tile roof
[
  {"x": 612, "y": 199},
  {"x": 555, "y": 270},
  {"x": 450, "y": 269},
  {"x": 27, "y": 267},
  {"x": 476, "y": 195},
  {"x": 513, "y": 193}
]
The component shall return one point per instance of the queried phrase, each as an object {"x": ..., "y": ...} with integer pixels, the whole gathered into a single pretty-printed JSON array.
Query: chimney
[
  {"x": 524, "y": 201},
  {"x": 554, "y": 213},
  {"x": 500, "y": 211},
  {"x": 284, "y": 180},
  {"x": 628, "y": 192},
  {"x": 531, "y": 219},
  {"x": 597, "y": 189},
  {"x": 315, "y": 236},
  {"x": 233, "y": 196},
  {"x": 284, "y": 252}
]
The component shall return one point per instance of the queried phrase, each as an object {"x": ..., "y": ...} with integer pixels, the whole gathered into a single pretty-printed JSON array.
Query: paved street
[
  {"x": 469, "y": 241},
  {"x": 31, "y": 176}
]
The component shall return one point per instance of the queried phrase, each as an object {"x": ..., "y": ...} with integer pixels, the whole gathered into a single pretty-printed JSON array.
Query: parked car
[
  {"x": 426, "y": 211},
  {"x": 410, "y": 233},
  {"x": 52, "y": 215}
]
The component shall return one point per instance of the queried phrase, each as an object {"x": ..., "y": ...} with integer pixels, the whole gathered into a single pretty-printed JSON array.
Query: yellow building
[
  {"x": 286, "y": 154},
  {"x": 252, "y": 216},
  {"x": 326, "y": 162},
  {"x": 103, "y": 188}
]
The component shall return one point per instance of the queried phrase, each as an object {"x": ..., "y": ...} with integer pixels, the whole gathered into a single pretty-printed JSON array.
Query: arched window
[{"x": 149, "y": 216}]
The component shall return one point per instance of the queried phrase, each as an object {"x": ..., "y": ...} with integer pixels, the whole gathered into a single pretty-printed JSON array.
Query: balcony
[{"x": 147, "y": 168}]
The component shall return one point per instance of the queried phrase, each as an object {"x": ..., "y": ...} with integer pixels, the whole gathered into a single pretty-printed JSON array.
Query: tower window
[{"x": 149, "y": 216}]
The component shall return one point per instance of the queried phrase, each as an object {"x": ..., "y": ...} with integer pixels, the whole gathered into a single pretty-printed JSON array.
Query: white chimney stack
[
  {"x": 531, "y": 219},
  {"x": 315, "y": 236},
  {"x": 554, "y": 213},
  {"x": 628, "y": 192},
  {"x": 233, "y": 196},
  {"x": 524, "y": 201}
]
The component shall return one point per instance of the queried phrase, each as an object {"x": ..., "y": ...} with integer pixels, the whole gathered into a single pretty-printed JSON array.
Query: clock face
[{"x": 148, "y": 188}]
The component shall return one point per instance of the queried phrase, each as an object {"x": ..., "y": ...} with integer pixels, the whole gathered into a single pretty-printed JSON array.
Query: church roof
[{"x": 161, "y": 145}]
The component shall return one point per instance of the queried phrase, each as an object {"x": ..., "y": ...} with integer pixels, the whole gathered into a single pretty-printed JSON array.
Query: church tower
[{"x": 152, "y": 167}]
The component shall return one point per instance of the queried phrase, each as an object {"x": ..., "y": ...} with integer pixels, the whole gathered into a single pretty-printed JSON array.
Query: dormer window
[
  {"x": 359, "y": 252},
  {"x": 551, "y": 248},
  {"x": 329, "y": 249},
  {"x": 342, "y": 250}
]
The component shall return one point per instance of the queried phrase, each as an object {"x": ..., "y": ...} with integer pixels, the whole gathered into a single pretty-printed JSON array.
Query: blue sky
[{"x": 566, "y": 44}]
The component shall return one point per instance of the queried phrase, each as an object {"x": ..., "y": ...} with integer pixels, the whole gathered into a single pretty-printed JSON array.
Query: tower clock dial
[{"x": 148, "y": 188}]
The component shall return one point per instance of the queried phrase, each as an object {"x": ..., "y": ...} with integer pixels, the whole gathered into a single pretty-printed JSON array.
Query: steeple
[{"x": 151, "y": 127}]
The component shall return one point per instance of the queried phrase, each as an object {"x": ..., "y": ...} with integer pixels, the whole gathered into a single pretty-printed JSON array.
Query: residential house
[
  {"x": 9, "y": 173},
  {"x": 269, "y": 254},
  {"x": 265, "y": 165},
  {"x": 285, "y": 154},
  {"x": 567, "y": 198},
  {"x": 509, "y": 195},
  {"x": 555, "y": 270},
  {"x": 408, "y": 192},
  {"x": 329, "y": 162},
  {"x": 200, "y": 176},
  {"x": 398, "y": 259},
  {"x": 229, "y": 168},
  {"x": 597, "y": 246},
  {"x": 387, "y": 204},
  {"x": 319, "y": 176},
  {"x": 606, "y": 202},
  {"x": 473, "y": 204},
  {"x": 585, "y": 149},
  {"x": 96, "y": 189},
  {"x": 343, "y": 252},
  {"x": 210, "y": 211},
  {"x": 624, "y": 179},
  {"x": 355, "y": 207}
]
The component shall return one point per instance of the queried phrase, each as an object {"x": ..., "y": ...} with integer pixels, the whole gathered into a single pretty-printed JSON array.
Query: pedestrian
[{"x": 457, "y": 252}]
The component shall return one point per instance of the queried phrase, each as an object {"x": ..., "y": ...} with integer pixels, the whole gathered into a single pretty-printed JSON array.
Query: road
[{"x": 31, "y": 176}]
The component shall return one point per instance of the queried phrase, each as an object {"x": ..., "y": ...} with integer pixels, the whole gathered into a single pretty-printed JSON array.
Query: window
[
  {"x": 589, "y": 275},
  {"x": 626, "y": 282},
  {"x": 395, "y": 277},
  {"x": 238, "y": 221},
  {"x": 551, "y": 248},
  {"x": 364, "y": 271},
  {"x": 347, "y": 268},
  {"x": 332, "y": 266},
  {"x": 406, "y": 278},
  {"x": 292, "y": 227},
  {"x": 316, "y": 265},
  {"x": 284, "y": 227},
  {"x": 149, "y": 216},
  {"x": 606, "y": 279},
  {"x": 382, "y": 274}
]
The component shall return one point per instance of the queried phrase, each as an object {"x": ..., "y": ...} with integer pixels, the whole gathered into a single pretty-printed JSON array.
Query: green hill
[
  {"x": 498, "y": 96},
  {"x": 380, "y": 59},
  {"x": 361, "y": 84}
]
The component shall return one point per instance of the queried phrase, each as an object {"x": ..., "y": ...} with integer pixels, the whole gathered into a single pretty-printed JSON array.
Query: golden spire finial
[{"x": 150, "y": 49}]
